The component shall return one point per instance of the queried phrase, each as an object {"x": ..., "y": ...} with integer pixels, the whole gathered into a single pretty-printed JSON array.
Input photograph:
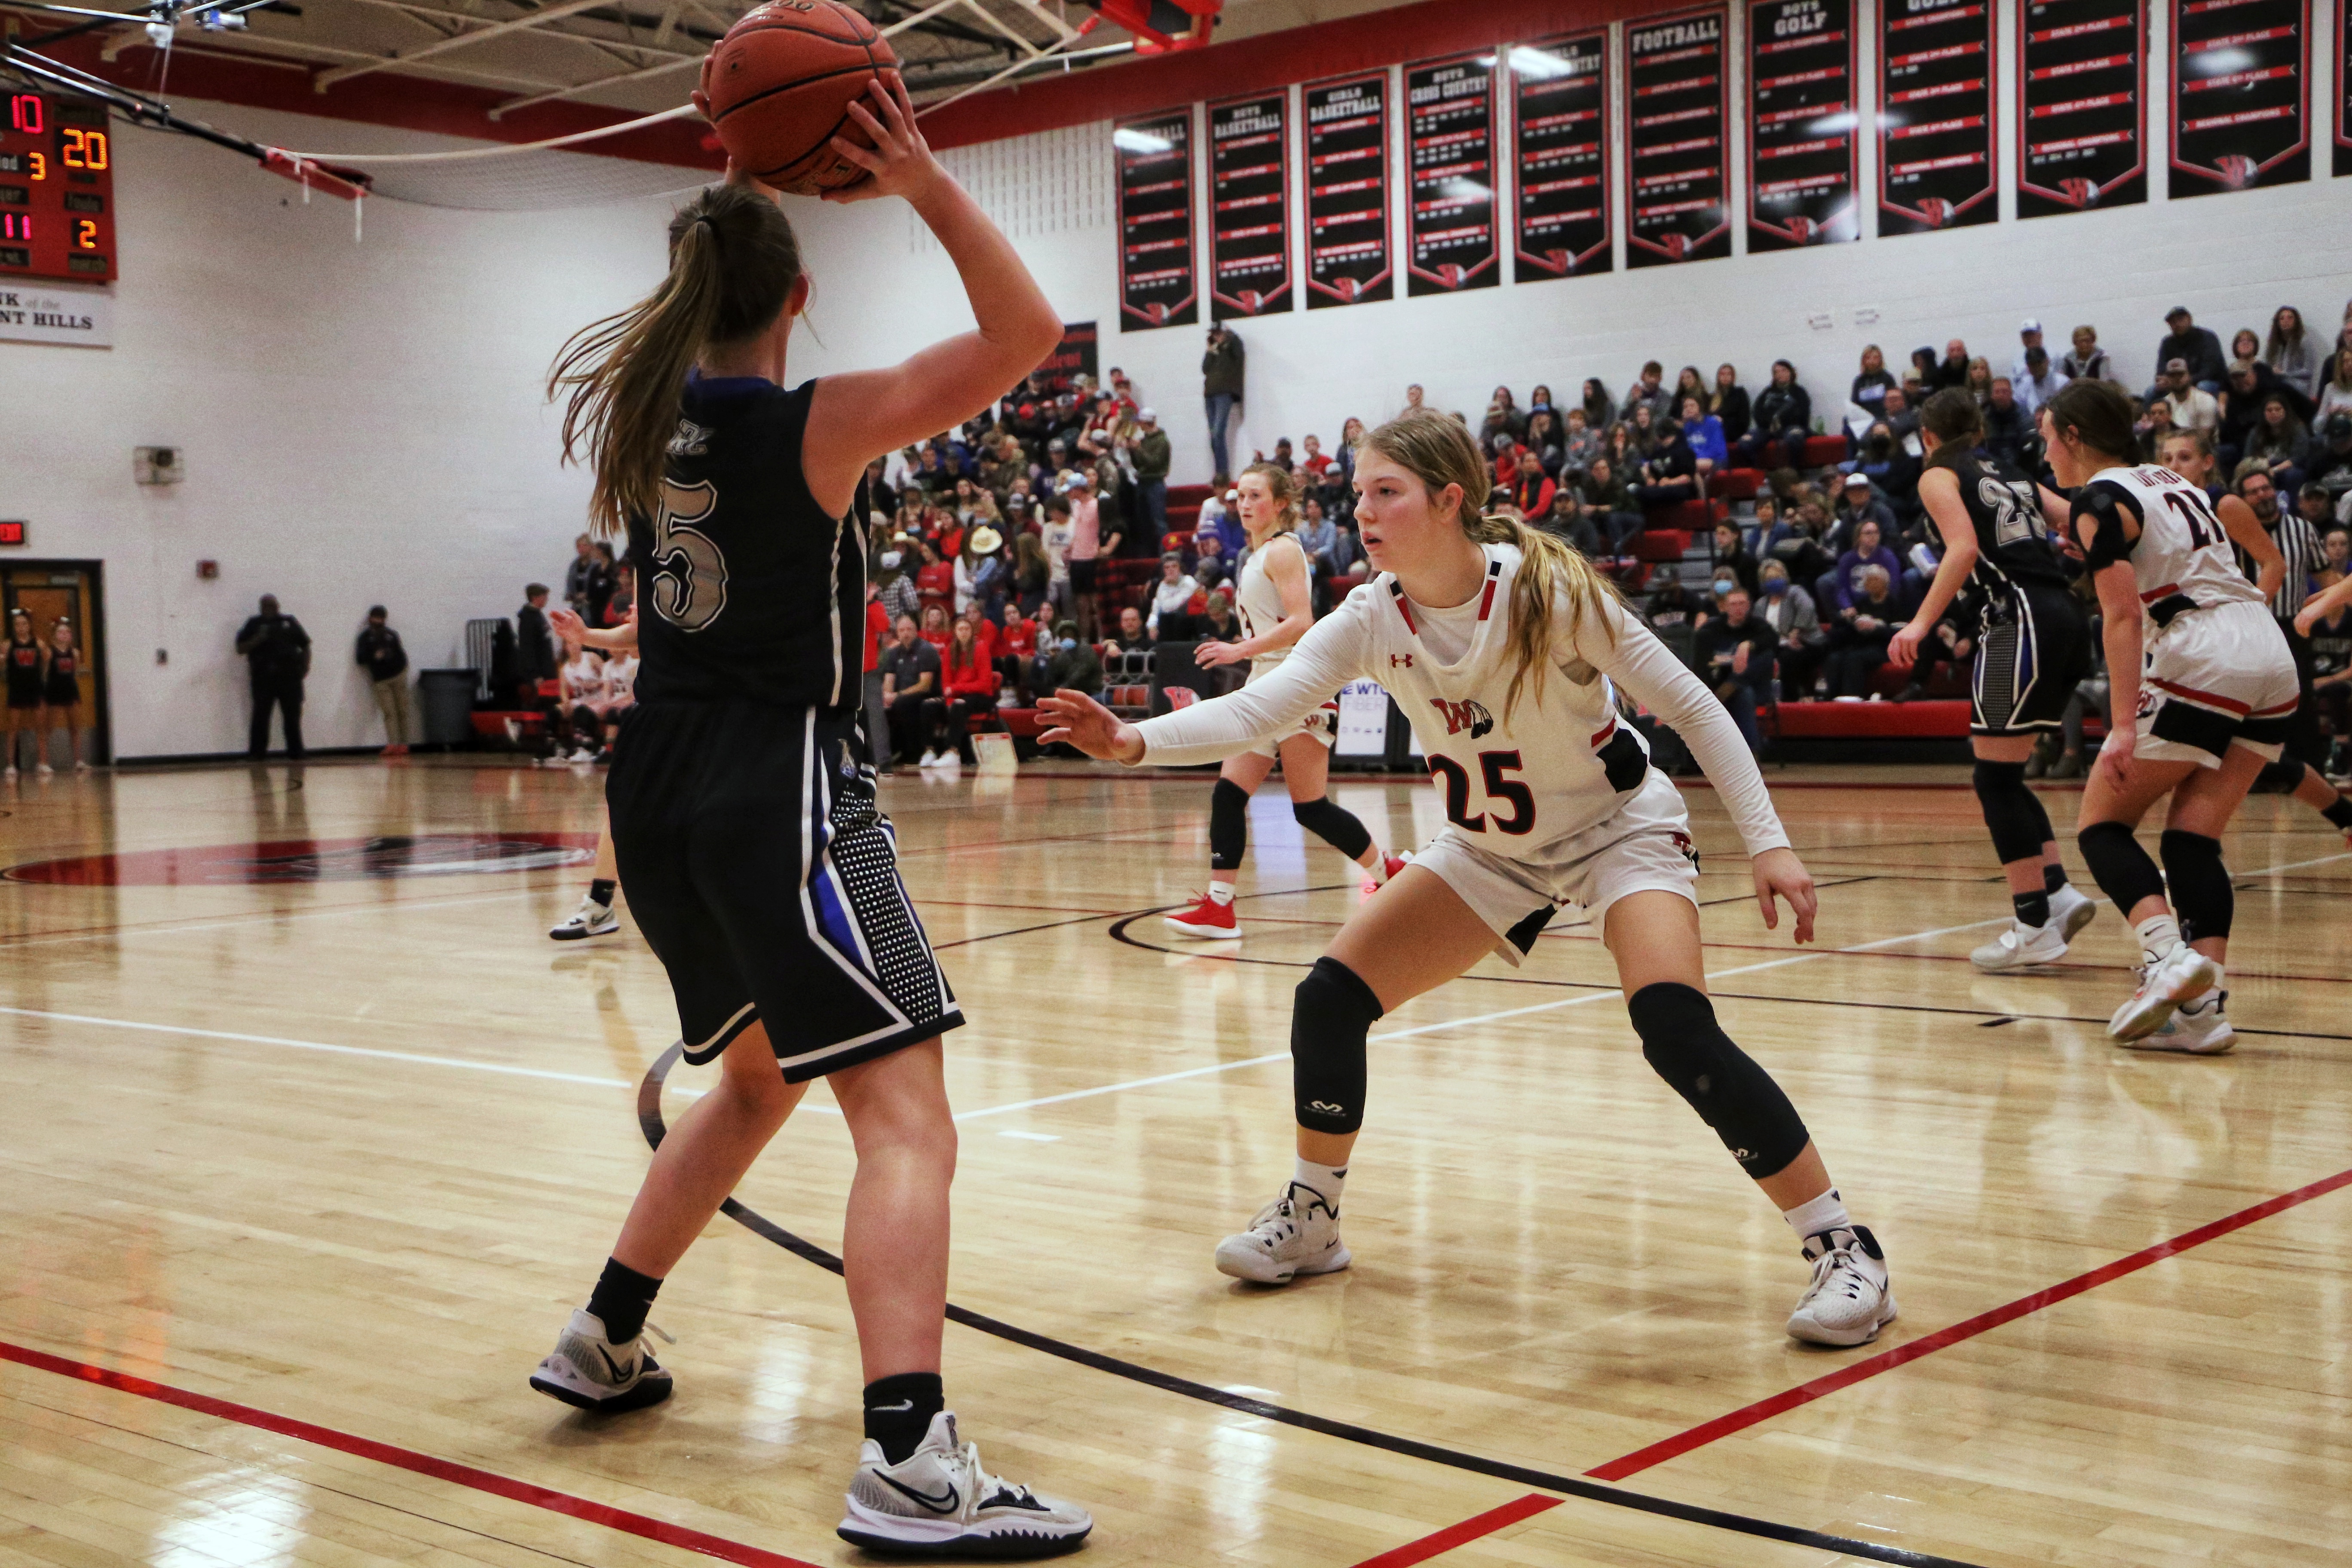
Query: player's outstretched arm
[
  {"x": 2322, "y": 605},
  {"x": 1079, "y": 720},
  {"x": 572, "y": 629}
]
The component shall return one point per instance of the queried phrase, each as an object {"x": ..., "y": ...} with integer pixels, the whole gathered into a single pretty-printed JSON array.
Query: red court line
[
  {"x": 1846, "y": 1377},
  {"x": 1462, "y": 1534},
  {"x": 571, "y": 1507}
]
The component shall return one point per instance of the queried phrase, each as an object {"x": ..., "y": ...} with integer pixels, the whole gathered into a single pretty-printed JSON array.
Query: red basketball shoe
[{"x": 1207, "y": 920}]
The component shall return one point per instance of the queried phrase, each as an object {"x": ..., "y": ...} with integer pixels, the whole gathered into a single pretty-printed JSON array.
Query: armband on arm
[{"x": 2107, "y": 506}]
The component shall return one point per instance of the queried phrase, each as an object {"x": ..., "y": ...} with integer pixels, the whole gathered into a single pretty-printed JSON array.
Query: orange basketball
[{"x": 780, "y": 85}]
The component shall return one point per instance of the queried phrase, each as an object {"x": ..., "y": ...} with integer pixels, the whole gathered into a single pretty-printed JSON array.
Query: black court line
[{"x": 650, "y": 1120}]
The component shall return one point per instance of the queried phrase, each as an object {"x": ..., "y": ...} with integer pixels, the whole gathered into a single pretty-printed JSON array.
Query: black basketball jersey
[
  {"x": 2013, "y": 544},
  {"x": 746, "y": 589}
]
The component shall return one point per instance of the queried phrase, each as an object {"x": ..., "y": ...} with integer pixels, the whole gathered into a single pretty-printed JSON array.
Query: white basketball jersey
[
  {"x": 1260, "y": 602},
  {"x": 2183, "y": 553},
  {"x": 1514, "y": 780}
]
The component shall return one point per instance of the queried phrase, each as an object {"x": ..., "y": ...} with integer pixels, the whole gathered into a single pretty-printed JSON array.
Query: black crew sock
[
  {"x": 602, "y": 889},
  {"x": 2340, "y": 813},
  {"x": 2033, "y": 909},
  {"x": 2054, "y": 876},
  {"x": 898, "y": 1411},
  {"x": 622, "y": 1299}
]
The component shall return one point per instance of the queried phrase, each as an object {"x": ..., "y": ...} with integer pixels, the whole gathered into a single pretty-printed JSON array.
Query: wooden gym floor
[{"x": 301, "y": 1174}]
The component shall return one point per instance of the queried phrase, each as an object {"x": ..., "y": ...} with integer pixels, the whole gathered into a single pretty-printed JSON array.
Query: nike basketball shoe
[
  {"x": 588, "y": 1372},
  {"x": 937, "y": 1501},
  {"x": 1297, "y": 1234}
]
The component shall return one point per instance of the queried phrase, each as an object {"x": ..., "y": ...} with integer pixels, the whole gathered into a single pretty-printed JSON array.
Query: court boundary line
[
  {"x": 649, "y": 1120},
  {"x": 1477, "y": 1527},
  {"x": 531, "y": 1493}
]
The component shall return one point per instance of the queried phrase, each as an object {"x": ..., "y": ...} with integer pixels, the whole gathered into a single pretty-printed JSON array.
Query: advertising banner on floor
[
  {"x": 2240, "y": 95},
  {"x": 1347, "y": 260},
  {"x": 2082, "y": 136},
  {"x": 1249, "y": 207},
  {"x": 1158, "y": 286},
  {"x": 1801, "y": 121},
  {"x": 1677, "y": 135},
  {"x": 1562, "y": 125},
  {"x": 1450, "y": 238},
  {"x": 1937, "y": 115}
]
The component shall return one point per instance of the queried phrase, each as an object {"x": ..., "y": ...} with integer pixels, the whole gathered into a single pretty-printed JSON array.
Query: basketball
[{"x": 780, "y": 85}]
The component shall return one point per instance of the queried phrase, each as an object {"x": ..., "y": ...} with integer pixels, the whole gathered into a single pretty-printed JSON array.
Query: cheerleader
[
  {"x": 27, "y": 683},
  {"x": 1506, "y": 651},
  {"x": 1275, "y": 612}
]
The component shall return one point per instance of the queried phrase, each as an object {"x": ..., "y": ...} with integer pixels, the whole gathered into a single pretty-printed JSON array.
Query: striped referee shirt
[{"x": 2299, "y": 541}]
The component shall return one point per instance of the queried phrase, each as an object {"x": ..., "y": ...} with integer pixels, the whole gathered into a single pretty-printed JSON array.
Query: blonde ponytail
[
  {"x": 1439, "y": 452},
  {"x": 1286, "y": 495}
]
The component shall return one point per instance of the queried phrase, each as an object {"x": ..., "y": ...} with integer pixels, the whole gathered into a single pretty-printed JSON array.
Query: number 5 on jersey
[{"x": 690, "y": 573}]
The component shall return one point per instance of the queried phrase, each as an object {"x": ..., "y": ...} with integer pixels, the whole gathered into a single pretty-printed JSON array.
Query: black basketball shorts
[
  {"x": 2031, "y": 652},
  {"x": 766, "y": 881}
]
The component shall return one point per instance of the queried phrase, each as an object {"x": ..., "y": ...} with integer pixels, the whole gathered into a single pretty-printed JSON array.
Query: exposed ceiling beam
[
  {"x": 523, "y": 24},
  {"x": 511, "y": 105}
]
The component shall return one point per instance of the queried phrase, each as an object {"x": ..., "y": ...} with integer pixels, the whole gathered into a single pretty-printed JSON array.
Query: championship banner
[
  {"x": 1347, "y": 257},
  {"x": 1450, "y": 237},
  {"x": 1560, "y": 128},
  {"x": 1937, "y": 115},
  {"x": 1249, "y": 207},
  {"x": 2082, "y": 137},
  {"x": 1156, "y": 286},
  {"x": 2343, "y": 90},
  {"x": 1676, "y": 141},
  {"x": 2238, "y": 92},
  {"x": 1801, "y": 121}
]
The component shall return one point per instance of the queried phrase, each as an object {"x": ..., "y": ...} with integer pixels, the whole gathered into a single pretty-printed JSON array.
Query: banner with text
[
  {"x": 2239, "y": 92},
  {"x": 1561, "y": 125},
  {"x": 2080, "y": 127},
  {"x": 2343, "y": 90},
  {"x": 1347, "y": 260},
  {"x": 1801, "y": 121},
  {"x": 1249, "y": 207},
  {"x": 1157, "y": 283},
  {"x": 57, "y": 313},
  {"x": 1676, "y": 144},
  {"x": 1936, "y": 119},
  {"x": 1450, "y": 129}
]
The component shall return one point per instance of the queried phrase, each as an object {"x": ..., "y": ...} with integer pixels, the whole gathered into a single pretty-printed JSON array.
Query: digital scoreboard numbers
[{"x": 56, "y": 190}]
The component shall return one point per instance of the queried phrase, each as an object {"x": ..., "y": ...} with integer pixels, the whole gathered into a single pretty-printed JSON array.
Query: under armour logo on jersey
[
  {"x": 690, "y": 441},
  {"x": 1460, "y": 716},
  {"x": 1401, "y": 659}
]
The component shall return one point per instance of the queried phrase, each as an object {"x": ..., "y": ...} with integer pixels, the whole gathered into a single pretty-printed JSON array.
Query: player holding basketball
[
  {"x": 2033, "y": 646},
  {"x": 746, "y": 833},
  {"x": 1506, "y": 652},
  {"x": 2212, "y": 704},
  {"x": 1275, "y": 610}
]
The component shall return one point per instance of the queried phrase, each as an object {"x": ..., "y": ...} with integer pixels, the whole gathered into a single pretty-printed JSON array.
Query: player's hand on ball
[
  {"x": 900, "y": 163},
  {"x": 1780, "y": 872},
  {"x": 1079, "y": 720}
]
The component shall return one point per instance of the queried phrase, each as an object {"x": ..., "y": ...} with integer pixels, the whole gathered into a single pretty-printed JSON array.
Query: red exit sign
[{"x": 12, "y": 534}]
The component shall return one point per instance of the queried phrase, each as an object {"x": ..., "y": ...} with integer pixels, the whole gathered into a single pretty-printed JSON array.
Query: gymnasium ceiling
[{"x": 641, "y": 55}]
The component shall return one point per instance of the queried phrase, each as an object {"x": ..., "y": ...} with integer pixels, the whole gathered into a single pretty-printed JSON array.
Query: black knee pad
[
  {"x": 1228, "y": 825},
  {"x": 1732, "y": 1094},
  {"x": 2202, "y": 899},
  {"x": 1330, "y": 1014},
  {"x": 1335, "y": 824},
  {"x": 2120, "y": 866},
  {"x": 2020, "y": 827}
]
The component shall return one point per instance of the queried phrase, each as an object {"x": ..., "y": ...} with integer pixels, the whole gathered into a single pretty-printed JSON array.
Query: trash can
[{"x": 447, "y": 698}]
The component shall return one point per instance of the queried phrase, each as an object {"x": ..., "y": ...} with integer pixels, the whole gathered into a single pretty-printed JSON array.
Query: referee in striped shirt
[{"x": 2298, "y": 543}]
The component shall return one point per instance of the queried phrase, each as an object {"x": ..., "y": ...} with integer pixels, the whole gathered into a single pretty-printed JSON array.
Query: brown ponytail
[
  {"x": 733, "y": 262},
  {"x": 1441, "y": 452},
  {"x": 2099, "y": 413},
  {"x": 1955, "y": 421},
  {"x": 1278, "y": 486}
]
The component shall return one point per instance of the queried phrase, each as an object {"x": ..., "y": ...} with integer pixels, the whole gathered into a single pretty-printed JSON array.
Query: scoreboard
[{"x": 57, "y": 189}]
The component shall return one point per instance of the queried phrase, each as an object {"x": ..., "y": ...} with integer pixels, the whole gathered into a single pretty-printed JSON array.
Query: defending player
[
  {"x": 2033, "y": 645},
  {"x": 1275, "y": 610},
  {"x": 757, "y": 864},
  {"x": 1506, "y": 652},
  {"x": 2211, "y": 705}
]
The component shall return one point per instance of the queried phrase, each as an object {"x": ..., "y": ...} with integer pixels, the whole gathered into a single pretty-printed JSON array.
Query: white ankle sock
[
  {"x": 1324, "y": 1181},
  {"x": 2159, "y": 935},
  {"x": 1377, "y": 866},
  {"x": 1811, "y": 1218},
  {"x": 1221, "y": 893}
]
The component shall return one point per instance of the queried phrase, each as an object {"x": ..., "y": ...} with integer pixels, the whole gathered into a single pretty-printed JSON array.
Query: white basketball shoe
[
  {"x": 940, "y": 1502},
  {"x": 588, "y": 1372},
  {"x": 1851, "y": 1298},
  {"x": 1297, "y": 1234},
  {"x": 2177, "y": 977},
  {"x": 591, "y": 919},
  {"x": 2022, "y": 946},
  {"x": 2198, "y": 1028}
]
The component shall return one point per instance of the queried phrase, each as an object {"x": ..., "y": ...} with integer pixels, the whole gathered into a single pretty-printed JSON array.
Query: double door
[{"x": 74, "y": 590}]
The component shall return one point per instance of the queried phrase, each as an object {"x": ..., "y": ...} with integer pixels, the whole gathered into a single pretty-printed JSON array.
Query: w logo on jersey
[{"x": 1460, "y": 716}]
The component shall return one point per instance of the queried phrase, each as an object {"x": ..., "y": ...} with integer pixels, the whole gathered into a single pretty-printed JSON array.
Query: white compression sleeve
[
  {"x": 1329, "y": 656},
  {"x": 1649, "y": 672}
]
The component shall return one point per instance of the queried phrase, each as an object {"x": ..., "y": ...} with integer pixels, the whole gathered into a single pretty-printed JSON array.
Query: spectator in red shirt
[
  {"x": 935, "y": 628},
  {"x": 877, "y": 712},
  {"x": 1316, "y": 458},
  {"x": 935, "y": 580},
  {"x": 1531, "y": 488},
  {"x": 1015, "y": 643},
  {"x": 969, "y": 683}
]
